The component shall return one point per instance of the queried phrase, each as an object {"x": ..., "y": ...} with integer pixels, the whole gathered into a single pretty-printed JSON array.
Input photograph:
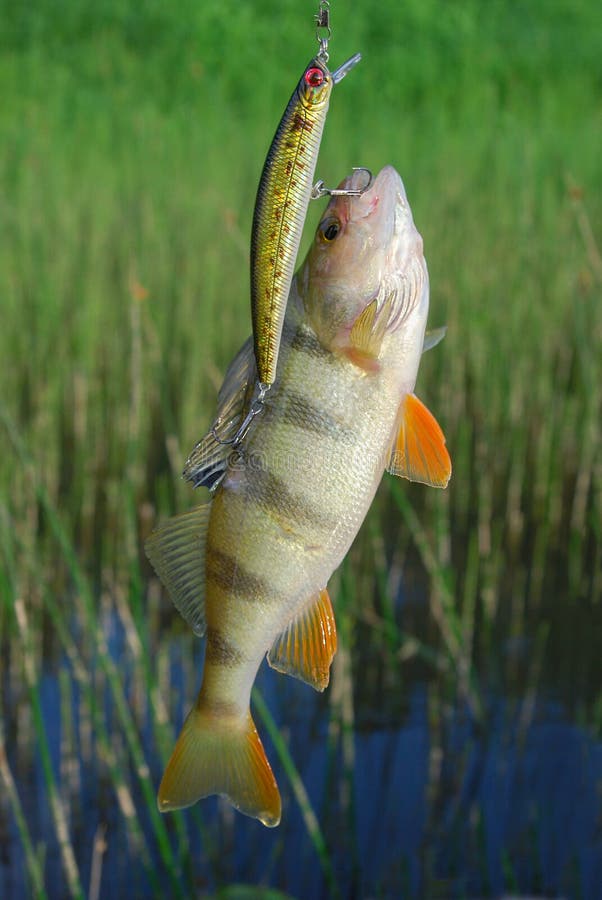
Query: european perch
[{"x": 249, "y": 568}]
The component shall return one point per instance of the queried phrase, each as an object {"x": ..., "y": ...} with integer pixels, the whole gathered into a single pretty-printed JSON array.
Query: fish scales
[
  {"x": 296, "y": 491},
  {"x": 300, "y": 412},
  {"x": 226, "y": 572},
  {"x": 295, "y": 535}
]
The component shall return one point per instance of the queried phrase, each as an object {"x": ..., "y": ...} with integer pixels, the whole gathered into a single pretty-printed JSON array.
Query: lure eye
[
  {"x": 314, "y": 77},
  {"x": 330, "y": 229}
]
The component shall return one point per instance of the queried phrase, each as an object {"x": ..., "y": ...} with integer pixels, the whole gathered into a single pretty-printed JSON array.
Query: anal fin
[
  {"x": 419, "y": 452},
  {"x": 305, "y": 648},
  {"x": 176, "y": 550}
]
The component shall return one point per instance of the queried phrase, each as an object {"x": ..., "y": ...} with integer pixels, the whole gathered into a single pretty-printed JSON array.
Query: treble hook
[
  {"x": 319, "y": 190},
  {"x": 256, "y": 407}
]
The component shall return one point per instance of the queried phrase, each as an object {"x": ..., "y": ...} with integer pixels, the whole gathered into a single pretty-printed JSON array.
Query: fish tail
[{"x": 219, "y": 754}]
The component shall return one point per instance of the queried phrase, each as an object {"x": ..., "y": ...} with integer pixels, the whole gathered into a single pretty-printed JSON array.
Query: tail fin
[{"x": 220, "y": 755}]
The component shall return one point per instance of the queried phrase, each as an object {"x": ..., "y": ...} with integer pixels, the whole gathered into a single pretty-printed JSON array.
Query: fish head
[
  {"x": 315, "y": 84},
  {"x": 366, "y": 250}
]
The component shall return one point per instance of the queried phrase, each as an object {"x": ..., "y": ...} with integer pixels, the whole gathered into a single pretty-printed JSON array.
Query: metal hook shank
[
  {"x": 319, "y": 190},
  {"x": 256, "y": 407}
]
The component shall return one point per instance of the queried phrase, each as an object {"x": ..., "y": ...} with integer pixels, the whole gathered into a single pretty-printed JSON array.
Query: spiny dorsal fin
[
  {"x": 307, "y": 646},
  {"x": 176, "y": 550},
  {"x": 209, "y": 458},
  {"x": 419, "y": 452}
]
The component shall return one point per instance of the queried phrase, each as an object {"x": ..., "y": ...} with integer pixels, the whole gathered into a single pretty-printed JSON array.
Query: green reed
[{"x": 131, "y": 139}]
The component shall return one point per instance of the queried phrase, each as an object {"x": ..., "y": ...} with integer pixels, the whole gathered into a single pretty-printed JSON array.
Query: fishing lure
[{"x": 285, "y": 189}]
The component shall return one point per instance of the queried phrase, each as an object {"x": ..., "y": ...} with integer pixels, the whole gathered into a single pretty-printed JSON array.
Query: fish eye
[
  {"x": 330, "y": 229},
  {"x": 314, "y": 77}
]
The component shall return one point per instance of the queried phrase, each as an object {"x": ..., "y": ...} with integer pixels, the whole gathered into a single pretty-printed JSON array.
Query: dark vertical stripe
[
  {"x": 301, "y": 412},
  {"x": 273, "y": 495},
  {"x": 228, "y": 574},
  {"x": 220, "y": 651},
  {"x": 305, "y": 341}
]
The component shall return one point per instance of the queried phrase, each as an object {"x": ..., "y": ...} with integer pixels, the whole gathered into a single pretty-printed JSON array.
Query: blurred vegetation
[{"x": 131, "y": 140}]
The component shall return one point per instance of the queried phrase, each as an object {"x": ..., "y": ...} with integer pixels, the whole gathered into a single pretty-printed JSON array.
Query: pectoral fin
[
  {"x": 176, "y": 550},
  {"x": 366, "y": 336},
  {"x": 307, "y": 646},
  {"x": 209, "y": 458},
  {"x": 419, "y": 452}
]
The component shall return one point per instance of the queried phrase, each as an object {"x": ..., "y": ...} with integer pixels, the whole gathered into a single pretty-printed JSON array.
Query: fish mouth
[
  {"x": 387, "y": 183},
  {"x": 378, "y": 202},
  {"x": 382, "y": 215},
  {"x": 377, "y": 245},
  {"x": 384, "y": 194},
  {"x": 385, "y": 211}
]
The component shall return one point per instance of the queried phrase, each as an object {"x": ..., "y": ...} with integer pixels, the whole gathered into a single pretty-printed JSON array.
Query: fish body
[
  {"x": 290, "y": 500},
  {"x": 281, "y": 205}
]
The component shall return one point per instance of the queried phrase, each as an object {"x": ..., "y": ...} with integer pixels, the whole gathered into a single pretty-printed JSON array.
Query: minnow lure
[{"x": 285, "y": 189}]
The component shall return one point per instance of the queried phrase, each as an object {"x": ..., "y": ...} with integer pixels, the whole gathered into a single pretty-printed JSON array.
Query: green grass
[{"x": 131, "y": 141}]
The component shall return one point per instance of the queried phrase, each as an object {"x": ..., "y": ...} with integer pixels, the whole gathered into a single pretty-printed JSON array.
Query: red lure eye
[{"x": 314, "y": 77}]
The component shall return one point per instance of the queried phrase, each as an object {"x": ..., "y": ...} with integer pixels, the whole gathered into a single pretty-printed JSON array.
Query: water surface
[{"x": 416, "y": 794}]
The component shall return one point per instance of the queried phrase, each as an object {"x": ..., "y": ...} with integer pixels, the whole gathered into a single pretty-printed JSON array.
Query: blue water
[{"x": 433, "y": 803}]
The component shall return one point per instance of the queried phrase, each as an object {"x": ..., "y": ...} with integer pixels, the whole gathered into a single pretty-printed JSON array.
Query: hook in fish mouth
[{"x": 319, "y": 190}]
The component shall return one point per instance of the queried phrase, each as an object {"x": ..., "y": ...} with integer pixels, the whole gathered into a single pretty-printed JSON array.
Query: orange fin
[
  {"x": 221, "y": 754},
  {"x": 307, "y": 646},
  {"x": 419, "y": 452}
]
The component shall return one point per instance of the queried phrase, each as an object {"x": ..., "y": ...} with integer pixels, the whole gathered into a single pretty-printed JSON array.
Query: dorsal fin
[
  {"x": 176, "y": 550},
  {"x": 307, "y": 646},
  {"x": 209, "y": 458},
  {"x": 419, "y": 452}
]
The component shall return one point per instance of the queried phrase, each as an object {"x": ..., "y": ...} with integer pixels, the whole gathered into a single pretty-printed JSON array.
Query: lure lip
[{"x": 346, "y": 67}]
